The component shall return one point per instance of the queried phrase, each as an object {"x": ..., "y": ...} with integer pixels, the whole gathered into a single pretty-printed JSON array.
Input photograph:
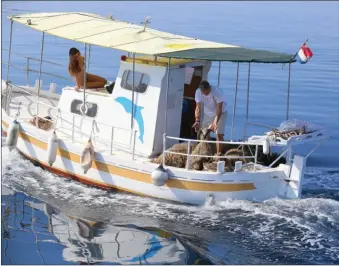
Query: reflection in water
[
  {"x": 35, "y": 232},
  {"x": 82, "y": 224}
]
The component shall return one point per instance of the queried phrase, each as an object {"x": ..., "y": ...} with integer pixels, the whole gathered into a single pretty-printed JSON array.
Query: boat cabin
[{"x": 147, "y": 102}]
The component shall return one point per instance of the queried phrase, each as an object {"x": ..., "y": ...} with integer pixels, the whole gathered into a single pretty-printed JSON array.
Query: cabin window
[
  {"x": 92, "y": 108},
  {"x": 141, "y": 81}
]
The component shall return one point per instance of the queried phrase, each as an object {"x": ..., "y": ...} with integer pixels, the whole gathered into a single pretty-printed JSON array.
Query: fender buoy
[
  {"x": 237, "y": 166},
  {"x": 52, "y": 148},
  {"x": 87, "y": 157},
  {"x": 159, "y": 176},
  {"x": 266, "y": 146},
  {"x": 12, "y": 135}
]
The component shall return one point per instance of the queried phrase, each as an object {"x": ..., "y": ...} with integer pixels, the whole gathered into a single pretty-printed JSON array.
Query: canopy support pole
[
  {"x": 166, "y": 96},
  {"x": 85, "y": 84},
  {"x": 247, "y": 98},
  {"x": 8, "y": 67},
  {"x": 41, "y": 55},
  {"x": 288, "y": 90},
  {"x": 219, "y": 74},
  {"x": 235, "y": 101},
  {"x": 133, "y": 83},
  {"x": 89, "y": 56}
]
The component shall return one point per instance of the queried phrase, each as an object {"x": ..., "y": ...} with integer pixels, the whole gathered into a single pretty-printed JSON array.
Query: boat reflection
[{"x": 81, "y": 241}]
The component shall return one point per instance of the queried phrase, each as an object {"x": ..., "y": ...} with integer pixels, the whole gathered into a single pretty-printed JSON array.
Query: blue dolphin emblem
[
  {"x": 127, "y": 104},
  {"x": 155, "y": 246}
]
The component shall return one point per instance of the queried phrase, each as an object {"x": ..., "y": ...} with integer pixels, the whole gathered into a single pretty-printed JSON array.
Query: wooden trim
[{"x": 82, "y": 179}]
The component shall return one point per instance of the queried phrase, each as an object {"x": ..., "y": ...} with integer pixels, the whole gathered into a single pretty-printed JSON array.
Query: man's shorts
[{"x": 207, "y": 121}]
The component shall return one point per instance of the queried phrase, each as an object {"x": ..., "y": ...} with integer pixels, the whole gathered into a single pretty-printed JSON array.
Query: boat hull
[{"x": 106, "y": 172}]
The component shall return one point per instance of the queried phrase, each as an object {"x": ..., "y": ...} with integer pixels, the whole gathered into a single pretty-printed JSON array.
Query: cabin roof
[
  {"x": 107, "y": 32},
  {"x": 231, "y": 54}
]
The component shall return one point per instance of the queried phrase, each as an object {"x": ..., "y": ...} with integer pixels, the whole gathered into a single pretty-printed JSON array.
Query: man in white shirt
[{"x": 215, "y": 110}]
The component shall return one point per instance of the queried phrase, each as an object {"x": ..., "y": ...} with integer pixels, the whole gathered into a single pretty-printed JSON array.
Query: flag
[{"x": 304, "y": 54}]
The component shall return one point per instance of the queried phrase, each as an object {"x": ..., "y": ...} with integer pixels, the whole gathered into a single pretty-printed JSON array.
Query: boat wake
[{"x": 290, "y": 231}]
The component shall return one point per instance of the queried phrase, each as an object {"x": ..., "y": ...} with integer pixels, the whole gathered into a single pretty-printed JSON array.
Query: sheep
[
  {"x": 176, "y": 160},
  {"x": 229, "y": 162},
  {"x": 246, "y": 150},
  {"x": 206, "y": 163},
  {"x": 202, "y": 148}
]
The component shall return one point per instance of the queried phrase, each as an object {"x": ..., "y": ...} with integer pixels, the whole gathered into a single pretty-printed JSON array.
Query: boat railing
[
  {"x": 255, "y": 124},
  {"x": 189, "y": 155},
  {"x": 24, "y": 90},
  {"x": 28, "y": 69},
  {"x": 111, "y": 141}
]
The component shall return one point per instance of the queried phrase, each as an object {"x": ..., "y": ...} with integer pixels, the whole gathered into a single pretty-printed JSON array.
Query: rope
[
  {"x": 94, "y": 126},
  {"x": 277, "y": 134}
]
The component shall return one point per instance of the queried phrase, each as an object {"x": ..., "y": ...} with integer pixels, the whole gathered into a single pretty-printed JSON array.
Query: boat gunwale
[{"x": 176, "y": 173}]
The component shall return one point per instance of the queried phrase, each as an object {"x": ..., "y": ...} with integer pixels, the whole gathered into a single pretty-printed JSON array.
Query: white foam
[{"x": 312, "y": 219}]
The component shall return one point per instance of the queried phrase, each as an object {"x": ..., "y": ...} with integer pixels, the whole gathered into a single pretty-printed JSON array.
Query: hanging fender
[
  {"x": 12, "y": 135},
  {"x": 266, "y": 146},
  {"x": 159, "y": 176},
  {"x": 87, "y": 156},
  {"x": 52, "y": 148}
]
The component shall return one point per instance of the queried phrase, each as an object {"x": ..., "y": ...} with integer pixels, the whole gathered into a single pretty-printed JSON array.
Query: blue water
[{"x": 285, "y": 232}]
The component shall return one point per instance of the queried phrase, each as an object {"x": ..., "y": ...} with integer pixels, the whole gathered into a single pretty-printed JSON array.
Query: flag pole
[{"x": 299, "y": 49}]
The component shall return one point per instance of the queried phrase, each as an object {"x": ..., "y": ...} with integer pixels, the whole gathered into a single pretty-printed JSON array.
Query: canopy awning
[
  {"x": 106, "y": 32},
  {"x": 97, "y": 30},
  {"x": 232, "y": 54}
]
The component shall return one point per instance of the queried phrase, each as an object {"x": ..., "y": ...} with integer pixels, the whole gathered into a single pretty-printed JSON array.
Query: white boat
[{"x": 152, "y": 83}]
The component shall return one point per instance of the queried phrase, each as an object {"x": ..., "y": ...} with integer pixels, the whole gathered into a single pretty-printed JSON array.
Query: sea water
[{"x": 47, "y": 219}]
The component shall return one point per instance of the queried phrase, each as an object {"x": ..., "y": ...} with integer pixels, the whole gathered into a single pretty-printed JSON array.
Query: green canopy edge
[{"x": 231, "y": 54}]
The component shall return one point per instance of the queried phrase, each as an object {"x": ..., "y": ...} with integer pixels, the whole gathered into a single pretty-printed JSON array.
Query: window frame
[
  {"x": 125, "y": 77},
  {"x": 81, "y": 102}
]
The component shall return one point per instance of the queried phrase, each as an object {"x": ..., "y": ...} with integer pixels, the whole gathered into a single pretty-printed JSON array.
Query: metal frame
[
  {"x": 288, "y": 90},
  {"x": 167, "y": 90},
  {"x": 166, "y": 100},
  {"x": 94, "y": 123},
  {"x": 9, "y": 91},
  {"x": 27, "y": 69},
  {"x": 40, "y": 68},
  {"x": 133, "y": 89},
  {"x": 89, "y": 56},
  {"x": 188, "y": 155},
  {"x": 235, "y": 100},
  {"x": 247, "y": 98},
  {"x": 219, "y": 74},
  {"x": 85, "y": 83},
  {"x": 8, "y": 67}
]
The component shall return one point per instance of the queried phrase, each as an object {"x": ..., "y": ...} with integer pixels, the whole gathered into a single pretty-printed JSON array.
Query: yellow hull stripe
[{"x": 138, "y": 176}]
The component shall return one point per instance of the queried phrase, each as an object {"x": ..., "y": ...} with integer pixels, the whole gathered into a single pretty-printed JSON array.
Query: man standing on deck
[{"x": 215, "y": 110}]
